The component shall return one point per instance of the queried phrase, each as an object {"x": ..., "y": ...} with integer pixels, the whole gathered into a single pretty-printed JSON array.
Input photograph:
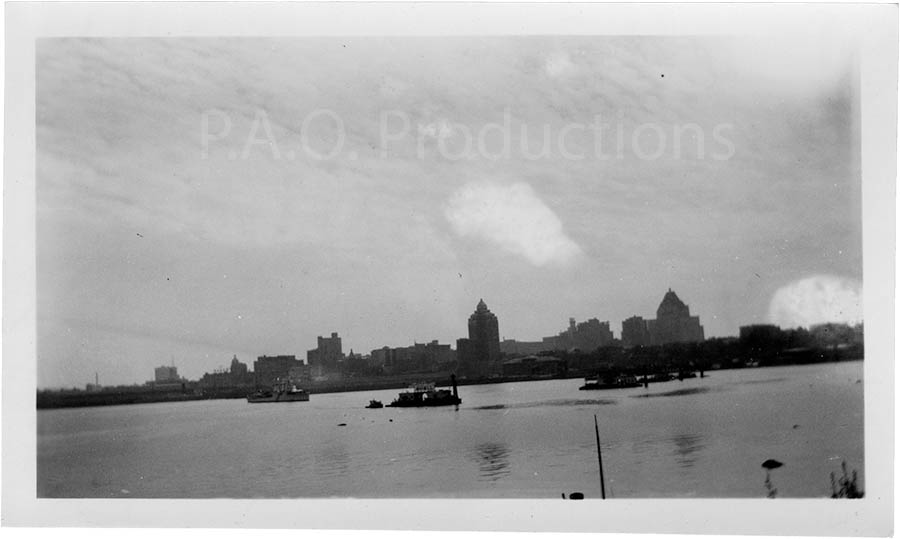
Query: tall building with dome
[
  {"x": 673, "y": 323},
  {"x": 479, "y": 355}
]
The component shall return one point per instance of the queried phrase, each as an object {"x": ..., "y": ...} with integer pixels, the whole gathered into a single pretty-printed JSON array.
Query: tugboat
[
  {"x": 375, "y": 404},
  {"x": 281, "y": 392},
  {"x": 610, "y": 382},
  {"x": 426, "y": 395}
]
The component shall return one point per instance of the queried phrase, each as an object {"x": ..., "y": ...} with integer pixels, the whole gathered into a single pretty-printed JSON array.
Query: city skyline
[
  {"x": 160, "y": 232},
  {"x": 312, "y": 355}
]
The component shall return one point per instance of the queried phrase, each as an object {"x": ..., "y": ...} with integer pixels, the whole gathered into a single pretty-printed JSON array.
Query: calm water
[{"x": 697, "y": 438}]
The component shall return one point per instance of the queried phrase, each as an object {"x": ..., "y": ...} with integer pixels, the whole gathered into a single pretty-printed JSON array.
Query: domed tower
[
  {"x": 674, "y": 322},
  {"x": 671, "y": 306},
  {"x": 479, "y": 355}
]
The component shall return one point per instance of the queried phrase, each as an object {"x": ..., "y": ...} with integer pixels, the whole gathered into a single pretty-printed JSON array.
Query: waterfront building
[
  {"x": 236, "y": 376},
  {"x": 327, "y": 355},
  {"x": 479, "y": 355},
  {"x": 512, "y": 347},
  {"x": 673, "y": 324},
  {"x": 166, "y": 374},
  {"x": 166, "y": 377},
  {"x": 268, "y": 369},
  {"x": 379, "y": 357},
  {"x": 300, "y": 375},
  {"x": 95, "y": 387},
  {"x": 432, "y": 356},
  {"x": 238, "y": 369},
  {"x": 585, "y": 336},
  {"x": 635, "y": 332},
  {"x": 420, "y": 357},
  {"x": 528, "y": 366}
]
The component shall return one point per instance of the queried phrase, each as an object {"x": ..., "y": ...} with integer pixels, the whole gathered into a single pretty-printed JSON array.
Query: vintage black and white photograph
[{"x": 553, "y": 266}]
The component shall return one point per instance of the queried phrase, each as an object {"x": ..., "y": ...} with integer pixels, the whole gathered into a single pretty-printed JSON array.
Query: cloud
[
  {"x": 119, "y": 152},
  {"x": 512, "y": 217},
  {"x": 559, "y": 64},
  {"x": 816, "y": 300}
]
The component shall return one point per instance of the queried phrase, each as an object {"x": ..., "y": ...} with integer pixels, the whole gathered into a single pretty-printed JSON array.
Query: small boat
[
  {"x": 375, "y": 404},
  {"x": 610, "y": 382},
  {"x": 281, "y": 392},
  {"x": 426, "y": 395}
]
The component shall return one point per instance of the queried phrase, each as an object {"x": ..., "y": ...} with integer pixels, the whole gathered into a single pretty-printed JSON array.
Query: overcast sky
[{"x": 199, "y": 198}]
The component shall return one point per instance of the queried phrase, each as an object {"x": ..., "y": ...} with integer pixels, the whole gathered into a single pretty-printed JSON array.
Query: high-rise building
[
  {"x": 479, "y": 355},
  {"x": 673, "y": 323},
  {"x": 326, "y": 356},
  {"x": 300, "y": 375},
  {"x": 635, "y": 332}
]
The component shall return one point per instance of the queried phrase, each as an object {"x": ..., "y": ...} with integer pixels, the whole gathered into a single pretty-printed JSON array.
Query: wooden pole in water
[{"x": 599, "y": 459}]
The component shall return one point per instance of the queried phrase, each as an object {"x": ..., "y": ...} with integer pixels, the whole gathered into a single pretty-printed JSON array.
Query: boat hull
[{"x": 425, "y": 403}]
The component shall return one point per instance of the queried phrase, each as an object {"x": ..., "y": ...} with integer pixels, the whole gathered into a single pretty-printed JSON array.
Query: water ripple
[
  {"x": 559, "y": 402},
  {"x": 687, "y": 446},
  {"x": 492, "y": 459},
  {"x": 676, "y": 393},
  {"x": 766, "y": 381}
]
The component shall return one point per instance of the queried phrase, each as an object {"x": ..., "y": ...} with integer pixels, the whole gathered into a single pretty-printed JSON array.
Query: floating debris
[{"x": 769, "y": 465}]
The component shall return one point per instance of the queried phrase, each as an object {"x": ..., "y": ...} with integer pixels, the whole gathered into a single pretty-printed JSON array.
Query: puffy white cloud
[
  {"x": 817, "y": 299},
  {"x": 512, "y": 217}
]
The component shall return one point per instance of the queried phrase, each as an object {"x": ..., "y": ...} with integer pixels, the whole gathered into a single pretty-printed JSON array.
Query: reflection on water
[
  {"x": 687, "y": 448},
  {"x": 676, "y": 393},
  {"x": 558, "y": 402},
  {"x": 492, "y": 459},
  {"x": 766, "y": 381},
  {"x": 707, "y": 445}
]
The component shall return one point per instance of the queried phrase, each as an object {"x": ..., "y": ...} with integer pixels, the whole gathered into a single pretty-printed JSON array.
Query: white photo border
[{"x": 873, "y": 25}]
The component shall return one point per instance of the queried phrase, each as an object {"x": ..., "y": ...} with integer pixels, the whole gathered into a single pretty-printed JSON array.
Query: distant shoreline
[{"x": 141, "y": 395}]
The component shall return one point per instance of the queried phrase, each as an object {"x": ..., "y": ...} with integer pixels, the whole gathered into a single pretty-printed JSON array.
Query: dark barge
[{"x": 427, "y": 395}]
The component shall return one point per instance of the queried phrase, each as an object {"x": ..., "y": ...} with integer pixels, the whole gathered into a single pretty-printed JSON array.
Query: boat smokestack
[{"x": 453, "y": 382}]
